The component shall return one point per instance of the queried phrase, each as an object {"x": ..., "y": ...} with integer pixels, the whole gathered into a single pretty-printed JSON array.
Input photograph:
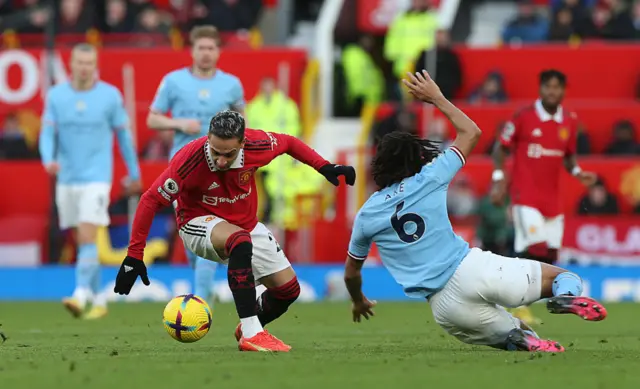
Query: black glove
[
  {"x": 331, "y": 172},
  {"x": 129, "y": 271}
]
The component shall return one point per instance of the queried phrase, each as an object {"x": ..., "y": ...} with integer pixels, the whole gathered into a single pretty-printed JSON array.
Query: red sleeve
[
  {"x": 164, "y": 190},
  {"x": 297, "y": 149},
  {"x": 509, "y": 133},
  {"x": 572, "y": 142}
]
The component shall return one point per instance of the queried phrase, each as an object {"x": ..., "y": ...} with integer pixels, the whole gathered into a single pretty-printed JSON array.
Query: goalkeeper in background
[
  {"x": 76, "y": 144},
  {"x": 193, "y": 95}
]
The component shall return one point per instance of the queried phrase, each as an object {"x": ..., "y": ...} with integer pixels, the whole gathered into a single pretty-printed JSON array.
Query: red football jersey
[
  {"x": 539, "y": 142},
  {"x": 200, "y": 189}
]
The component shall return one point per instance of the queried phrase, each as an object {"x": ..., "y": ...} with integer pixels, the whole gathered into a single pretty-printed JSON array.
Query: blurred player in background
[
  {"x": 76, "y": 145},
  {"x": 194, "y": 95},
  {"x": 466, "y": 287},
  {"x": 543, "y": 138},
  {"x": 213, "y": 179}
]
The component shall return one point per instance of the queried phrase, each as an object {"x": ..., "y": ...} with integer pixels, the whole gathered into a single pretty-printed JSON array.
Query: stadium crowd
[{"x": 128, "y": 16}]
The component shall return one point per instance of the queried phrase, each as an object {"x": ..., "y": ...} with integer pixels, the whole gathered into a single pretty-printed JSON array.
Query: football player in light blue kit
[
  {"x": 76, "y": 144},
  {"x": 466, "y": 287},
  {"x": 194, "y": 95}
]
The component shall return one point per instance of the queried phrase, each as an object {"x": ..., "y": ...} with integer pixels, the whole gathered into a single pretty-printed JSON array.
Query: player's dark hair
[
  {"x": 401, "y": 155},
  {"x": 550, "y": 74},
  {"x": 227, "y": 125}
]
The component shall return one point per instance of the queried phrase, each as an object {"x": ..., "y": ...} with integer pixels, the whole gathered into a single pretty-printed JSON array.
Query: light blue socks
[
  {"x": 567, "y": 283},
  {"x": 87, "y": 273},
  {"x": 205, "y": 270}
]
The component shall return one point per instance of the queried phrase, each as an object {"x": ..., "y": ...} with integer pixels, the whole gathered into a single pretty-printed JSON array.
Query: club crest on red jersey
[
  {"x": 245, "y": 176},
  {"x": 563, "y": 133}
]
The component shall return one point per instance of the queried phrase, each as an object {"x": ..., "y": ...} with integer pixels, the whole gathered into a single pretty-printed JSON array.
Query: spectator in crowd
[
  {"x": 363, "y": 78},
  {"x": 75, "y": 16},
  {"x": 583, "y": 141},
  {"x": 490, "y": 91},
  {"x": 228, "y": 15},
  {"x": 495, "y": 228},
  {"x": 402, "y": 119},
  {"x": 448, "y": 70},
  {"x": 438, "y": 131},
  {"x": 624, "y": 139},
  {"x": 598, "y": 201},
  {"x": 461, "y": 199},
  {"x": 13, "y": 144},
  {"x": 562, "y": 28},
  {"x": 158, "y": 148},
  {"x": 150, "y": 22},
  {"x": 409, "y": 34},
  {"x": 527, "y": 27},
  {"x": 117, "y": 17},
  {"x": 31, "y": 18},
  {"x": 614, "y": 22},
  {"x": 581, "y": 10},
  {"x": 635, "y": 16}
]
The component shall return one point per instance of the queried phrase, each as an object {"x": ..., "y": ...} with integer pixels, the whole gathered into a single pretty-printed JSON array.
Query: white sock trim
[{"x": 251, "y": 326}]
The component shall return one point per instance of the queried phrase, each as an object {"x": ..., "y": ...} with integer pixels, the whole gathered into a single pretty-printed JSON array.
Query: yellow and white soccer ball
[{"x": 187, "y": 318}]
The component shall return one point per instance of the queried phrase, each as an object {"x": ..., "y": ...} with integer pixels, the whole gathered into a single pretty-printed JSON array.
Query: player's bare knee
[
  {"x": 221, "y": 235},
  {"x": 87, "y": 233}
]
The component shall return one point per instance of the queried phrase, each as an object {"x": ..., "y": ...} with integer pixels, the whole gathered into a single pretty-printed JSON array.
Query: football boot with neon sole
[
  {"x": 96, "y": 312},
  {"x": 585, "y": 307},
  {"x": 519, "y": 340},
  {"x": 73, "y": 306},
  {"x": 263, "y": 341}
]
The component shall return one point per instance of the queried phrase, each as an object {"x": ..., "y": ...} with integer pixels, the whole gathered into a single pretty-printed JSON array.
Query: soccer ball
[{"x": 187, "y": 318}]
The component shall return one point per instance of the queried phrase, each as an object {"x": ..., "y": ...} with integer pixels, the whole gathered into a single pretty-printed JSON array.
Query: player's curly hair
[
  {"x": 401, "y": 155},
  {"x": 227, "y": 124}
]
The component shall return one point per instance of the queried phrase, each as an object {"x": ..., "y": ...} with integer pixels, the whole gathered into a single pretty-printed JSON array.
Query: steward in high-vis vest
[
  {"x": 409, "y": 34},
  {"x": 272, "y": 110}
]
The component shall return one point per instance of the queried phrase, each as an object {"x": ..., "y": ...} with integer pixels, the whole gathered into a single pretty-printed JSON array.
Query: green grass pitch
[{"x": 400, "y": 348}]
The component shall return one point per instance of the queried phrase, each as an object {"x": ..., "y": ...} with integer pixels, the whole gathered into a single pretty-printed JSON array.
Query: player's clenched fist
[
  {"x": 129, "y": 271},
  {"x": 331, "y": 172},
  {"x": 422, "y": 87}
]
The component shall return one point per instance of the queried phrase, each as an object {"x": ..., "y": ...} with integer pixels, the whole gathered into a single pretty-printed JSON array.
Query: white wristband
[
  {"x": 497, "y": 175},
  {"x": 576, "y": 170}
]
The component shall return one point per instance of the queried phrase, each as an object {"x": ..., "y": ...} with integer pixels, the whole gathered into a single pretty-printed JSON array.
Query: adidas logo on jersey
[
  {"x": 537, "y": 133},
  {"x": 214, "y": 185}
]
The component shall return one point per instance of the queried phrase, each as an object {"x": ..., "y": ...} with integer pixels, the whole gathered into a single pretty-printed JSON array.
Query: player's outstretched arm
[
  {"x": 161, "y": 193},
  {"x": 353, "y": 280},
  {"x": 305, "y": 154},
  {"x": 425, "y": 89}
]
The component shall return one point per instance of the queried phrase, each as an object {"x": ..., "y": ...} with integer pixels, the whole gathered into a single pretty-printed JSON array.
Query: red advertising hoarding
[
  {"x": 602, "y": 240},
  {"x": 137, "y": 74}
]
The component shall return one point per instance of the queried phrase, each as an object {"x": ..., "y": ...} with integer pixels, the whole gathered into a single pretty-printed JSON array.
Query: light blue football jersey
[
  {"x": 410, "y": 225},
  {"x": 189, "y": 97},
  {"x": 77, "y": 132}
]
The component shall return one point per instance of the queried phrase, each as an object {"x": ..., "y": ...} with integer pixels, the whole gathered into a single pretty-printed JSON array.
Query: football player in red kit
[
  {"x": 542, "y": 139},
  {"x": 212, "y": 179}
]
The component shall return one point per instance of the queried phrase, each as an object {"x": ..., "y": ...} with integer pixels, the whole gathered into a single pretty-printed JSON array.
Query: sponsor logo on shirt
[
  {"x": 215, "y": 200},
  {"x": 537, "y": 151}
]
